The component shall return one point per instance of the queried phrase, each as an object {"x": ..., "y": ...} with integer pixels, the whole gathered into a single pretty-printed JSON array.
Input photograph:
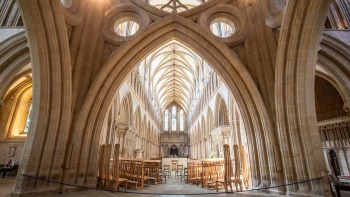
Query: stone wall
[{"x": 180, "y": 141}]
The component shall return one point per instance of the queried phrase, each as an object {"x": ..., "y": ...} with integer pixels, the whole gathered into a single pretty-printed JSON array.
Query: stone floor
[{"x": 173, "y": 187}]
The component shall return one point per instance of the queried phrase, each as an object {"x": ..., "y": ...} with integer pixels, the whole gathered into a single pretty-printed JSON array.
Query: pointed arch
[
  {"x": 221, "y": 112},
  {"x": 333, "y": 59},
  {"x": 138, "y": 121},
  {"x": 210, "y": 121},
  {"x": 224, "y": 61},
  {"x": 126, "y": 109},
  {"x": 112, "y": 74},
  {"x": 299, "y": 139}
]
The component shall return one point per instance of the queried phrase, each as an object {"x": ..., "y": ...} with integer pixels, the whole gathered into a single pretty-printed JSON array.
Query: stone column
[
  {"x": 121, "y": 140},
  {"x": 122, "y": 130},
  {"x": 209, "y": 145},
  {"x": 139, "y": 153},
  {"x": 204, "y": 148},
  {"x": 198, "y": 149}
]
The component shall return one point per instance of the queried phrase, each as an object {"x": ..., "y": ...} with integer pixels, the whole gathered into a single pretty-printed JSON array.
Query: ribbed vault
[
  {"x": 173, "y": 74},
  {"x": 178, "y": 5}
]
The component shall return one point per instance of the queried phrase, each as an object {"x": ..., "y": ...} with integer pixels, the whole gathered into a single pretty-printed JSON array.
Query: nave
[{"x": 173, "y": 186}]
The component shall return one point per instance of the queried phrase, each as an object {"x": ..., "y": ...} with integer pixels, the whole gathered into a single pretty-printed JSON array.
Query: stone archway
[
  {"x": 83, "y": 133},
  {"x": 299, "y": 139},
  {"x": 226, "y": 63}
]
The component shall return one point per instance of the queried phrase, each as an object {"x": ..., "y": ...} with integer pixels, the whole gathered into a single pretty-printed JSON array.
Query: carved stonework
[{"x": 346, "y": 108}]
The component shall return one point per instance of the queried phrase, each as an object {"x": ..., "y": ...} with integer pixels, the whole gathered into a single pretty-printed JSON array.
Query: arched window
[
  {"x": 166, "y": 120},
  {"x": 182, "y": 123},
  {"x": 173, "y": 119},
  {"x": 26, "y": 126}
]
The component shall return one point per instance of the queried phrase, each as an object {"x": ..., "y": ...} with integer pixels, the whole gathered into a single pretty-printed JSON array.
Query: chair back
[
  {"x": 166, "y": 167},
  {"x": 180, "y": 167}
]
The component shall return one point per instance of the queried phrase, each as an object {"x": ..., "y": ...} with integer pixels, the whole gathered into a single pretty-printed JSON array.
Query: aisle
[{"x": 172, "y": 186}]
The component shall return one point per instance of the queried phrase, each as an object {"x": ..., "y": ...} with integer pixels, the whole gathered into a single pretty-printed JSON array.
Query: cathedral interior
[{"x": 138, "y": 95}]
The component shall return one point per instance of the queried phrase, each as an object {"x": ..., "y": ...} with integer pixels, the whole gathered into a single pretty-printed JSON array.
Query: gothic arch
[
  {"x": 221, "y": 112},
  {"x": 137, "y": 119},
  {"x": 52, "y": 94},
  {"x": 334, "y": 59},
  {"x": 17, "y": 104},
  {"x": 327, "y": 107},
  {"x": 294, "y": 94},
  {"x": 14, "y": 56},
  {"x": 126, "y": 110},
  {"x": 86, "y": 127}
]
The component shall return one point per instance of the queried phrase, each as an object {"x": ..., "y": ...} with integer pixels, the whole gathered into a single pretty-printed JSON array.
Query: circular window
[
  {"x": 222, "y": 27},
  {"x": 66, "y": 3},
  {"x": 126, "y": 27}
]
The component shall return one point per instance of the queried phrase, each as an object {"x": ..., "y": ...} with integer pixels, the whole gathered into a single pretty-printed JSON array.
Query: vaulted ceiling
[
  {"x": 173, "y": 74},
  {"x": 180, "y": 5}
]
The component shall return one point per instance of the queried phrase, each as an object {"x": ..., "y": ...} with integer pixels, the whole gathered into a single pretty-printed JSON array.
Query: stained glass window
[
  {"x": 173, "y": 120},
  {"x": 182, "y": 124},
  {"x": 26, "y": 126},
  {"x": 166, "y": 120}
]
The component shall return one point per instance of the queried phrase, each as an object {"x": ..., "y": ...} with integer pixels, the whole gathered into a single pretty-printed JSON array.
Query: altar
[{"x": 169, "y": 161}]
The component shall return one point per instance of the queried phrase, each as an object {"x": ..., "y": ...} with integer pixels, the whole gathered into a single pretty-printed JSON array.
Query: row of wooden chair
[
  {"x": 215, "y": 173},
  {"x": 133, "y": 171},
  {"x": 153, "y": 171},
  {"x": 178, "y": 170},
  {"x": 108, "y": 178},
  {"x": 114, "y": 172}
]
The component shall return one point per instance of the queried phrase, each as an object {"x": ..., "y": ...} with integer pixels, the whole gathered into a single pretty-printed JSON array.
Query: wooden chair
[
  {"x": 162, "y": 177},
  {"x": 166, "y": 170},
  {"x": 133, "y": 171},
  {"x": 152, "y": 171},
  {"x": 207, "y": 175},
  {"x": 194, "y": 171},
  {"x": 107, "y": 178},
  {"x": 179, "y": 169},
  {"x": 116, "y": 181},
  {"x": 212, "y": 170},
  {"x": 184, "y": 176},
  {"x": 228, "y": 178},
  {"x": 103, "y": 179}
]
